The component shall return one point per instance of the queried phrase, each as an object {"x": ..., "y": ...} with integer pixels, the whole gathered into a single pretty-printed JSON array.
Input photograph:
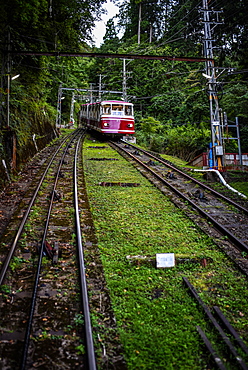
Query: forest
[{"x": 170, "y": 96}]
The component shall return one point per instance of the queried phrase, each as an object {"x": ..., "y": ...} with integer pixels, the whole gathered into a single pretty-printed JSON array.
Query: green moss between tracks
[{"x": 155, "y": 314}]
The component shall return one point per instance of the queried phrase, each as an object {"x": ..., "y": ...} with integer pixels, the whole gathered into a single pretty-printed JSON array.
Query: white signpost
[{"x": 165, "y": 260}]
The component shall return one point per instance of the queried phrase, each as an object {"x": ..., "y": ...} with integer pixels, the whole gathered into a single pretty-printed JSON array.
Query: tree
[
  {"x": 54, "y": 25},
  {"x": 232, "y": 36},
  {"x": 152, "y": 18},
  {"x": 111, "y": 40}
]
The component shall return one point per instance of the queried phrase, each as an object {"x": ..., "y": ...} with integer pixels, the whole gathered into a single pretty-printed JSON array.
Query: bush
[{"x": 188, "y": 141}]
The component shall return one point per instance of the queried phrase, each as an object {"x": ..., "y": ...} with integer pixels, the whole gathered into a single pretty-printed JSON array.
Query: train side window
[
  {"x": 128, "y": 110},
  {"x": 106, "y": 108}
]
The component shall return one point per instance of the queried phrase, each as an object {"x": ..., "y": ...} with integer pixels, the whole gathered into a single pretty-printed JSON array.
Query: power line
[
  {"x": 111, "y": 55},
  {"x": 169, "y": 93},
  {"x": 179, "y": 23}
]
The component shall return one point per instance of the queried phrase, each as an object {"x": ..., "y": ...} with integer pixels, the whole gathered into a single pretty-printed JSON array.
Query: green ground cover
[
  {"x": 242, "y": 187},
  {"x": 155, "y": 314}
]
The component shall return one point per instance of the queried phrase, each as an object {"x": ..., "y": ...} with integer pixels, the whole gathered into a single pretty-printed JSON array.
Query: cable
[
  {"x": 180, "y": 22},
  {"x": 169, "y": 93}
]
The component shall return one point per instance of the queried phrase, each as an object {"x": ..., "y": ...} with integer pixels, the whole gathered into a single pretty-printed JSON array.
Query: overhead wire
[
  {"x": 170, "y": 39},
  {"x": 137, "y": 48},
  {"x": 166, "y": 41},
  {"x": 169, "y": 93}
]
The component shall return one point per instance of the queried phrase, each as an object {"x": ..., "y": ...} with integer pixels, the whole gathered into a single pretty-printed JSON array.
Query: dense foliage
[
  {"x": 173, "y": 93},
  {"x": 40, "y": 26}
]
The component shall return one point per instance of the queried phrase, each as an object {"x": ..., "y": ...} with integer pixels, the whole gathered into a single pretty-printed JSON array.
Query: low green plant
[
  {"x": 16, "y": 263},
  {"x": 5, "y": 289},
  {"x": 80, "y": 349},
  {"x": 79, "y": 319}
]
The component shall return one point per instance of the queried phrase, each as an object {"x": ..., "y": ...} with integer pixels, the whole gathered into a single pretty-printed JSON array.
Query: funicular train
[{"x": 109, "y": 117}]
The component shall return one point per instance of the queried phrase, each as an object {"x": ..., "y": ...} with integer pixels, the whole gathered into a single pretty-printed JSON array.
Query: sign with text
[{"x": 165, "y": 260}]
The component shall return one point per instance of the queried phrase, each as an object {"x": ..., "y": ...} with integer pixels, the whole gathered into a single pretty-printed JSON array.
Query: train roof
[
  {"x": 115, "y": 101},
  {"x": 108, "y": 101}
]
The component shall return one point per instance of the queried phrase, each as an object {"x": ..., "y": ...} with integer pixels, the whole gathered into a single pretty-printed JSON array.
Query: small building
[{"x": 231, "y": 161}]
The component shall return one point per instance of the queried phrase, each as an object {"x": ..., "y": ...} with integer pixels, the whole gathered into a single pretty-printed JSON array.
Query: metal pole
[
  {"x": 124, "y": 84},
  {"x": 100, "y": 87},
  {"x": 239, "y": 145},
  {"x": 223, "y": 120},
  {"x": 58, "y": 116},
  {"x": 72, "y": 108},
  {"x": 91, "y": 95},
  {"x": 8, "y": 80},
  {"x": 216, "y": 133}
]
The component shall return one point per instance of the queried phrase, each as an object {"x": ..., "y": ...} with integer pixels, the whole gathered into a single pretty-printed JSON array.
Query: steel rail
[
  {"x": 83, "y": 283},
  {"x": 212, "y": 351},
  {"x": 238, "y": 243},
  {"x": 230, "y": 328},
  {"x": 245, "y": 210},
  {"x": 39, "y": 264},
  {"x": 24, "y": 219},
  {"x": 210, "y": 316}
]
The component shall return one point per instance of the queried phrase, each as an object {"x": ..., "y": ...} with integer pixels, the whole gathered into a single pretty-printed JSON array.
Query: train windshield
[{"x": 117, "y": 109}]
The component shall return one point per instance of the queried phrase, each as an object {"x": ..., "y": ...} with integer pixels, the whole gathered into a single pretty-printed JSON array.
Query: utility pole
[
  {"x": 124, "y": 84},
  {"x": 91, "y": 96},
  {"x": 8, "y": 79},
  {"x": 216, "y": 146},
  {"x": 5, "y": 81},
  {"x": 58, "y": 116},
  {"x": 126, "y": 75},
  {"x": 100, "y": 87},
  {"x": 72, "y": 109}
]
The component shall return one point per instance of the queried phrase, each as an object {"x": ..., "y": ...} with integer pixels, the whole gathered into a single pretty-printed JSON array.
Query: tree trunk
[{"x": 139, "y": 23}]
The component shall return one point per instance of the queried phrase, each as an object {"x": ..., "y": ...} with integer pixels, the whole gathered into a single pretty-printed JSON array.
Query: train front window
[{"x": 117, "y": 110}]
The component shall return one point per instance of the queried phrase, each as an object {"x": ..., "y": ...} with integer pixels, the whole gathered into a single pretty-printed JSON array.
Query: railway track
[
  {"x": 37, "y": 284},
  {"x": 229, "y": 217},
  {"x": 58, "y": 318},
  {"x": 201, "y": 271}
]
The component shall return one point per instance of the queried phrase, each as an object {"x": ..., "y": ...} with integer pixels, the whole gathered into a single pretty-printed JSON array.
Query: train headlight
[
  {"x": 130, "y": 125},
  {"x": 105, "y": 124}
]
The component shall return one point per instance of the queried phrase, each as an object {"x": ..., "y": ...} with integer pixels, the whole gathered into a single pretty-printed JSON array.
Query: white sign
[{"x": 165, "y": 259}]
